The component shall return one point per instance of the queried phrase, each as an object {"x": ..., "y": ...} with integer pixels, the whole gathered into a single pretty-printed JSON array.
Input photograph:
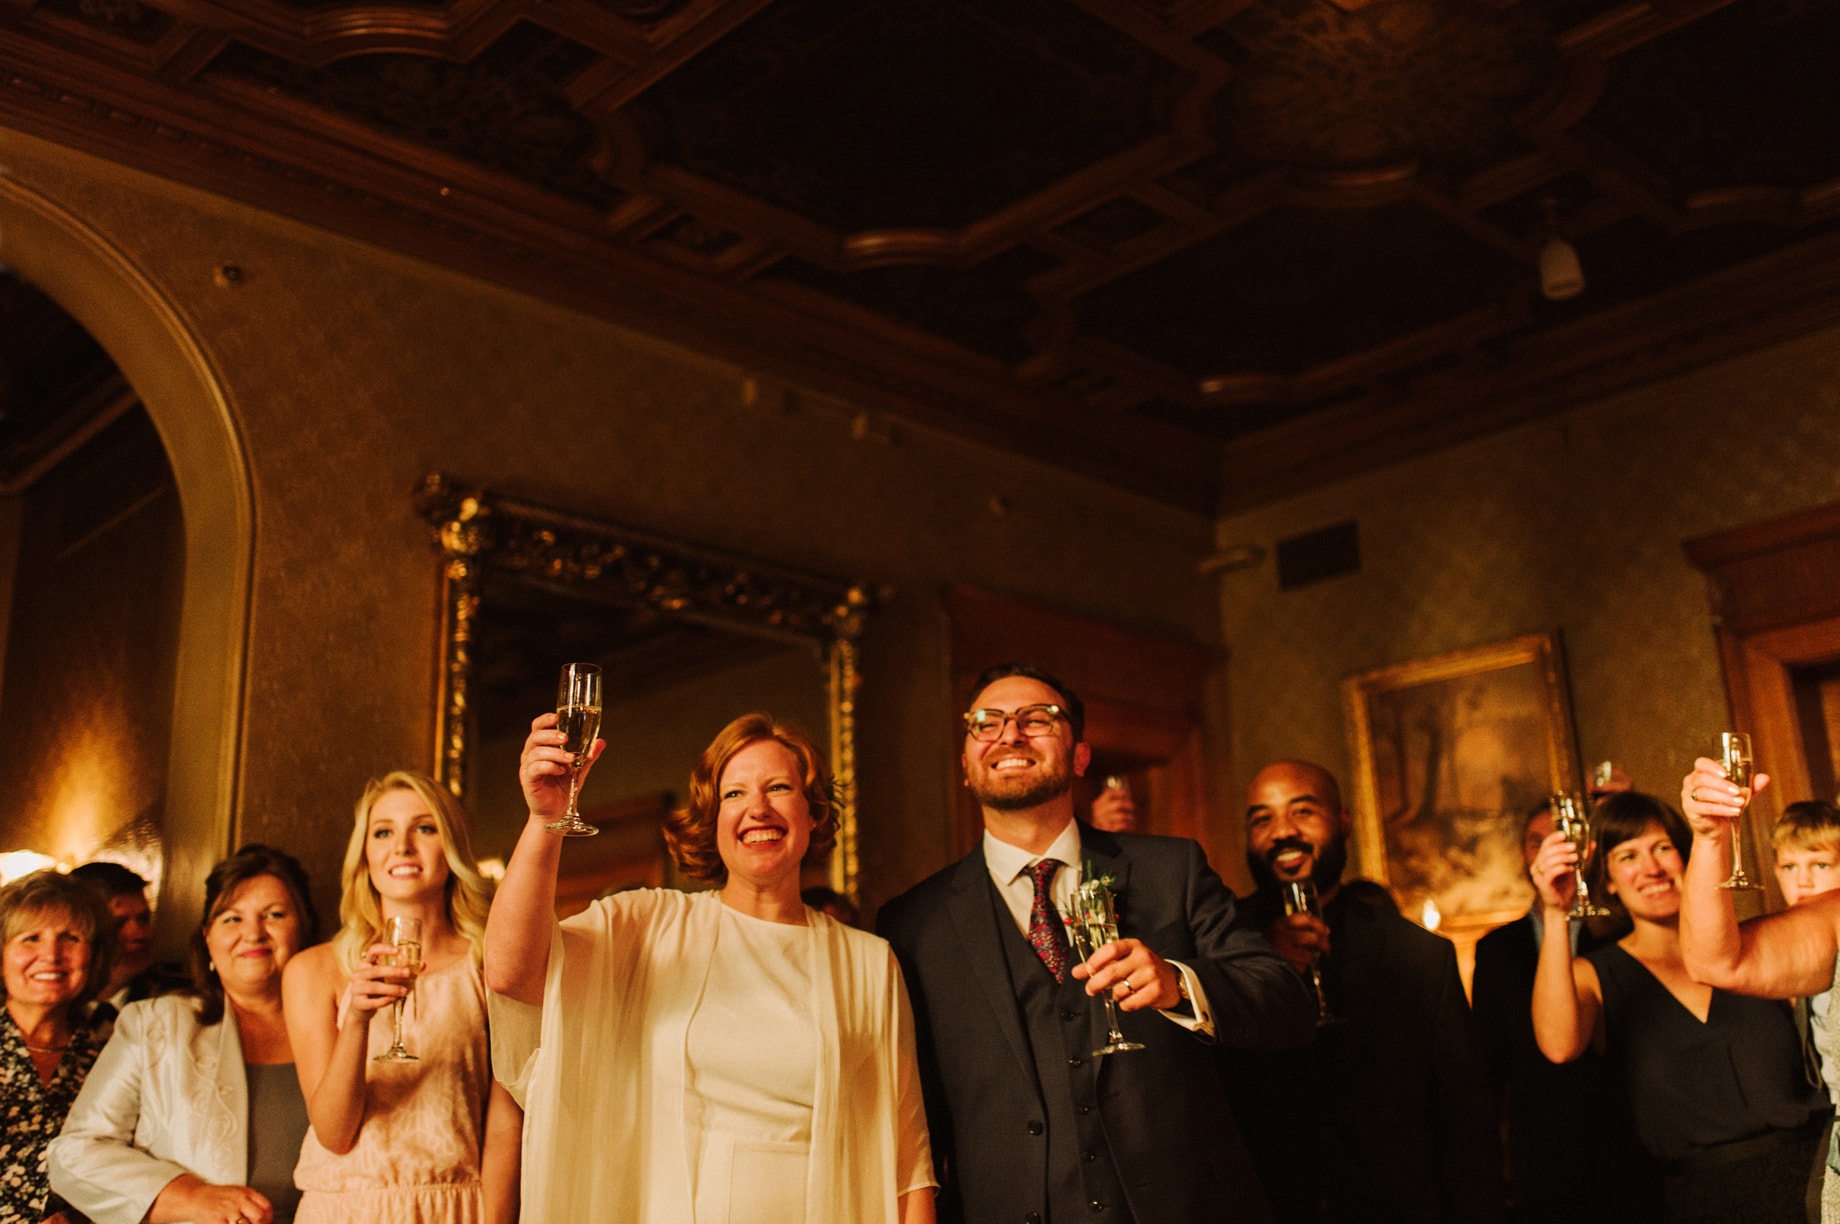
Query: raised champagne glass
[
  {"x": 578, "y": 717},
  {"x": 1111, "y": 803},
  {"x": 1095, "y": 924},
  {"x": 1735, "y": 751},
  {"x": 1602, "y": 775},
  {"x": 1301, "y": 897},
  {"x": 405, "y": 935},
  {"x": 1570, "y": 818}
]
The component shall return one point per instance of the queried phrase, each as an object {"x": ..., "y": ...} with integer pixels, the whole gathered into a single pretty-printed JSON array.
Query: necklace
[{"x": 57, "y": 1049}]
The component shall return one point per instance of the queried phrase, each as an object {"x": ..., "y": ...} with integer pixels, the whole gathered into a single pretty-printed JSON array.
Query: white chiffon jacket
[
  {"x": 600, "y": 1067},
  {"x": 167, "y": 1096}
]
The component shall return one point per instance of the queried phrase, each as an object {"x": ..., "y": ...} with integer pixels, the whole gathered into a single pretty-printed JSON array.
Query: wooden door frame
[{"x": 1775, "y": 593}]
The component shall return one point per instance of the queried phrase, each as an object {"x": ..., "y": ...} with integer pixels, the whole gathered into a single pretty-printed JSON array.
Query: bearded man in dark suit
[
  {"x": 1027, "y": 1125},
  {"x": 1386, "y": 1118}
]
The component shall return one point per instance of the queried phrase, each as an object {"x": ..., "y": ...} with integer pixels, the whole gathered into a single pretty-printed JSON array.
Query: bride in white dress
[{"x": 727, "y": 1057}]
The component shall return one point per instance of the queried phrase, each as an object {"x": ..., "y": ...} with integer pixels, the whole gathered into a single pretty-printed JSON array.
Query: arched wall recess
[{"x": 159, "y": 354}]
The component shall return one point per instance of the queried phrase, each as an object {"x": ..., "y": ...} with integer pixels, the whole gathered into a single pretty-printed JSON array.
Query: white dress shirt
[{"x": 1009, "y": 870}]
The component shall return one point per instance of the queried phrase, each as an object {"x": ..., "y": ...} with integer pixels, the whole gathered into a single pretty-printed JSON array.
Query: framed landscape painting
[{"x": 1450, "y": 754}]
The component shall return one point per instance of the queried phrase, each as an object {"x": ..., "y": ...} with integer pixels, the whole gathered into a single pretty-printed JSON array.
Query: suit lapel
[{"x": 974, "y": 913}]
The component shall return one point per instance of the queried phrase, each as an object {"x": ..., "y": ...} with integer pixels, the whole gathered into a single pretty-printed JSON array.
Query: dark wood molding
[{"x": 1769, "y": 575}]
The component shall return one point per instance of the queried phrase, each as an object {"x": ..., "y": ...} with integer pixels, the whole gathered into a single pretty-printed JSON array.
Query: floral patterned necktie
[{"x": 1046, "y": 931}]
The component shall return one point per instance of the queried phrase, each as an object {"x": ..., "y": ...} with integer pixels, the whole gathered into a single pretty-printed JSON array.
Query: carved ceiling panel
[
  {"x": 1748, "y": 96},
  {"x": 504, "y": 109},
  {"x": 1222, "y": 247},
  {"x": 1296, "y": 288},
  {"x": 906, "y": 113},
  {"x": 1434, "y": 79},
  {"x": 126, "y": 19}
]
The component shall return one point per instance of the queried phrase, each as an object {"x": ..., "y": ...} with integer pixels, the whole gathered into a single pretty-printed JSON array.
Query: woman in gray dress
[{"x": 193, "y": 1113}]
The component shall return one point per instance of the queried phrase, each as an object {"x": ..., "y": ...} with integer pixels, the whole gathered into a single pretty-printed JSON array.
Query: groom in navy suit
[{"x": 1027, "y": 1126}]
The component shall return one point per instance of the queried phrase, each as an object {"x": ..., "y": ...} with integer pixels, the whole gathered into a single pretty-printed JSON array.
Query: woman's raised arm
[
  {"x": 1567, "y": 1000},
  {"x": 524, "y": 909},
  {"x": 1784, "y": 956}
]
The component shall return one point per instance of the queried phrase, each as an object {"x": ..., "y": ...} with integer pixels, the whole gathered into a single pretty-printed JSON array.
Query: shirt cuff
[{"x": 1203, "y": 1020}]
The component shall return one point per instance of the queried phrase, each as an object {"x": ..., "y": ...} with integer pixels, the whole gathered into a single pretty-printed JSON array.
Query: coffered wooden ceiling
[{"x": 1213, "y": 250}]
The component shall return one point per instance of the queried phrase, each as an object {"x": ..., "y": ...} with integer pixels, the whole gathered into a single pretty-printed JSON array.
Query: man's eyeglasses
[{"x": 1032, "y": 721}]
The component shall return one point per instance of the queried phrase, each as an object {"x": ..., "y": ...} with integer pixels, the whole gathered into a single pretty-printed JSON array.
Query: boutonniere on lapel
[
  {"x": 1098, "y": 904},
  {"x": 1091, "y": 875}
]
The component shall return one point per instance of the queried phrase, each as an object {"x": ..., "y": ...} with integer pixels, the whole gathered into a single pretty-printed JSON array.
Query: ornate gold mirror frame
[{"x": 481, "y": 533}]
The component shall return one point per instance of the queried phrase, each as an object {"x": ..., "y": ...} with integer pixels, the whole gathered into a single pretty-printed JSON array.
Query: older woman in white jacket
[{"x": 193, "y": 1113}]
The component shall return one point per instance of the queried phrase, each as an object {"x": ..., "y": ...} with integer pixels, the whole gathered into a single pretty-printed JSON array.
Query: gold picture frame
[
  {"x": 1451, "y": 753},
  {"x": 488, "y": 540}
]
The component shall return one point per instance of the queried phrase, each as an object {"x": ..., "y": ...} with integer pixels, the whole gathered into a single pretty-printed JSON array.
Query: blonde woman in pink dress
[{"x": 430, "y": 1141}]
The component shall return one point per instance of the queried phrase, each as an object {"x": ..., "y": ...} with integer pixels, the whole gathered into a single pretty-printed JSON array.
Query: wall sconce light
[{"x": 1561, "y": 276}]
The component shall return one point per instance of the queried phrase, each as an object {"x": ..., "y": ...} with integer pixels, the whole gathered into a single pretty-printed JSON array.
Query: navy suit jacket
[
  {"x": 1172, "y": 1136},
  {"x": 1386, "y": 1118}
]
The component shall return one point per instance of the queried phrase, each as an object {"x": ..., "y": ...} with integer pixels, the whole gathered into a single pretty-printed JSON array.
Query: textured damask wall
[
  {"x": 351, "y": 373},
  {"x": 1574, "y": 523}
]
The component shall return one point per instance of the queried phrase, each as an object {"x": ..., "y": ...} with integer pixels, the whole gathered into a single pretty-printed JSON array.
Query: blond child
[{"x": 1807, "y": 844}]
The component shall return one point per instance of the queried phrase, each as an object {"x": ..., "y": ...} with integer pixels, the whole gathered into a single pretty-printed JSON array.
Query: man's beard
[
  {"x": 1048, "y": 784},
  {"x": 1325, "y": 868}
]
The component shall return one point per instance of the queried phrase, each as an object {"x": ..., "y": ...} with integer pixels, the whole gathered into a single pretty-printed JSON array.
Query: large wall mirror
[{"x": 687, "y": 637}]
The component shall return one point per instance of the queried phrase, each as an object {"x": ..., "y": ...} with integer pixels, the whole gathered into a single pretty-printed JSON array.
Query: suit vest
[{"x": 1082, "y": 1182}]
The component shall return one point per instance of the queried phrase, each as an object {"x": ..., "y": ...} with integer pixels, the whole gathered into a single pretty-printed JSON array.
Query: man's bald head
[
  {"x": 1313, "y": 778},
  {"x": 1296, "y": 826}
]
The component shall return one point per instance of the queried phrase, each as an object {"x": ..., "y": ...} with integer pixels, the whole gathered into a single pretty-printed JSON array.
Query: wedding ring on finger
[{"x": 1694, "y": 794}]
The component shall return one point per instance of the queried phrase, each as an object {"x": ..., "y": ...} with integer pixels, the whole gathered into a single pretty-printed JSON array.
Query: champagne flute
[
  {"x": 1735, "y": 750},
  {"x": 1095, "y": 924},
  {"x": 1301, "y": 897},
  {"x": 1570, "y": 819},
  {"x": 405, "y": 935},
  {"x": 1602, "y": 774},
  {"x": 578, "y": 717}
]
